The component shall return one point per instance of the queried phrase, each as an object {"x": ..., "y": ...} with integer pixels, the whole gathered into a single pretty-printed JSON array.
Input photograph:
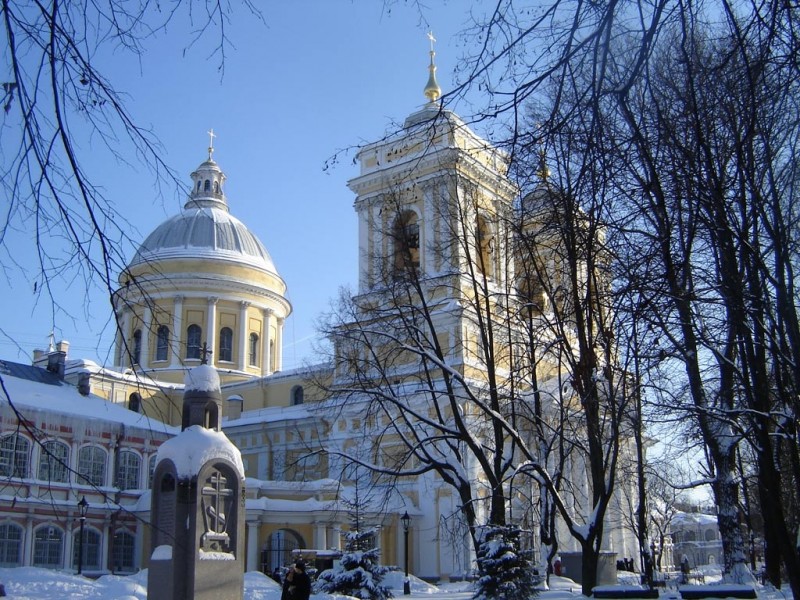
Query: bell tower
[{"x": 431, "y": 199}]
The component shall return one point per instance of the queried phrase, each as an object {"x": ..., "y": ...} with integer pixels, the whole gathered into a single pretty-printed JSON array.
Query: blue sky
[{"x": 317, "y": 77}]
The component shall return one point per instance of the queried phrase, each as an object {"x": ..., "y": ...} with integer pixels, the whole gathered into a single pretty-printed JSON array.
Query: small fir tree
[
  {"x": 359, "y": 572},
  {"x": 505, "y": 573}
]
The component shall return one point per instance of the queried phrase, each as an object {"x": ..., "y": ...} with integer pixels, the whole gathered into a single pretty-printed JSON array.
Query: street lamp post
[
  {"x": 406, "y": 522},
  {"x": 83, "y": 506}
]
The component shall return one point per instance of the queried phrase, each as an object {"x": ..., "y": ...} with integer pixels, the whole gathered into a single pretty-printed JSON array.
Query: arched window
[
  {"x": 279, "y": 548},
  {"x": 54, "y": 462},
  {"x": 151, "y": 469},
  {"x": 406, "y": 244},
  {"x": 193, "y": 335},
  {"x": 10, "y": 545},
  {"x": 92, "y": 465},
  {"x": 90, "y": 547},
  {"x": 137, "y": 347},
  {"x": 711, "y": 535},
  {"x": 216, "y": 187},
  {"x": 135, "y": 402},
  {"x": 207, "y": 186},
  {"x": 48, "y": 545},
  {"x": 297, "y": 395},
  {"x": 14, "y": 456},
  {"x": 484, "y": 248},
  {"x": 253, "y": 349},
  {"x": 226, "y": 344},
  {"x": 199, "y": 185},
  {"x": 162, "y": 343},
  {"x": 128, "y": 466},
  {"x": 124, "y": 552}
]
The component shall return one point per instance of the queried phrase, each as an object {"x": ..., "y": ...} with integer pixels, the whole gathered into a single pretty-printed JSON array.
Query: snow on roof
[
  {"x": 268, "y": 415},
  {"x": 203, "y": 378},
  {"x": 684, "y": 518},
  {"x": 29, "y": 393},
  {"x": 196, "y": 446}
]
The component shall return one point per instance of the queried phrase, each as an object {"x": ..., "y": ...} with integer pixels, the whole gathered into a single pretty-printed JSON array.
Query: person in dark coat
[{"x": 297, "y": 584}]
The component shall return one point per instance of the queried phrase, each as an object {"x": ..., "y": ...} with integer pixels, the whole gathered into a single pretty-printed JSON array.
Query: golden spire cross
[
  {"x": 432, "y": 90},
  {"x": 432, "y": 39},
  {"x": 211, "y": 136}
]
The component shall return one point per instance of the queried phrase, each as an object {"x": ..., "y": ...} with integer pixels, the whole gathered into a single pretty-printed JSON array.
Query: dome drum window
[
  {"x": 136, "y": 353},
  {"x": 193, "y": 335},
  {"x": 162, "y": 343},
  {"x": 226, "y": 344},
  {"x": 253, "y": 353}
]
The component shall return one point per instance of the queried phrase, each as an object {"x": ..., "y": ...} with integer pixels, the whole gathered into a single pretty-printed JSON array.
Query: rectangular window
[
  {"x": 92, "y": 466},
  {"x": 128, "y": 464}
]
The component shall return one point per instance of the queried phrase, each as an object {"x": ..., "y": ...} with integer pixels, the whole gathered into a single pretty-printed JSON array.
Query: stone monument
[{"x": 197, "y": 509}]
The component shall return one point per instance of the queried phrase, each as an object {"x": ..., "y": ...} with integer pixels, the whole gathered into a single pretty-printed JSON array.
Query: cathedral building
[{"x": 202, "y": 284}]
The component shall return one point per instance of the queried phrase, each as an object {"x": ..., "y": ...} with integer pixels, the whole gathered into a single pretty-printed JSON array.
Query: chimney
[
  {"x": 40, "y": 358},
  {"x": 84, "y": 383},
  {"x": 57, "y": 359}
]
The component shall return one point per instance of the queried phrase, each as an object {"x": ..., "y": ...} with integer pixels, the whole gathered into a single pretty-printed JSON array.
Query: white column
[
  {"x": 106, "y": 561},
  {"x": 243, "y": 348},
  {"x": 320, "y": 535},
  {"x": 279, "y": 345},
  {"x": 27, "y": 557},
  {"x": 211, "y": 329},
  {"x": 69, "y": 542},
  {"x": 252, "y": 546},
  {"x": 144, "y": 354},
  {"x": 177, "y": 332},
  {"x": 265, "y": 357},
  {"x": 427, "y": 245},
  {"x": 139, "y": 543},
  {"x": 336, "y": 542},
  {"x": 125, "y": 328}
]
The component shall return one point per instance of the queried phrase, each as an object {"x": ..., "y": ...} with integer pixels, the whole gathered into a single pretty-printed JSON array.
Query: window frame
[
  {"x": 89, "y": 470},
  {"x": 15, "y": 456},
  {"x": 51, "y": 461},
  {"x": 136, "y": 353},
  {"x": 162, "y": 342},
  {"x": 194, "y": 337},
  {"x": 10, "y": 545},
  {"x": 226, "y": 344},
  {"x": 127, "y": 473},
  {"x": 123, "y": 555},
  {"x": 92, "y": 548},
  {"x": 43, "y": 548},
  {"x": 253, "y": 350}
]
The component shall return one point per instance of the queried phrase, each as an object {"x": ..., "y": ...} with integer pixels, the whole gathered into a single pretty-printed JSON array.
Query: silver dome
[
  {"x": 205, "y": 228},
  {"x": 204, "y": 231}
]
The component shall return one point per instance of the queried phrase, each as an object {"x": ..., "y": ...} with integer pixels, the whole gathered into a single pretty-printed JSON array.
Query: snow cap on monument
[{"x": 203, "y": 378}]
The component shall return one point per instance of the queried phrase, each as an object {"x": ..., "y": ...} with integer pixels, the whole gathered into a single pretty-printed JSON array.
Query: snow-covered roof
[
  {"x": 268, "y": 415},
  {"x": 196, "y": 446},
  {"x": 31, "y": 388},
  {"x": 684, "y": 519}
]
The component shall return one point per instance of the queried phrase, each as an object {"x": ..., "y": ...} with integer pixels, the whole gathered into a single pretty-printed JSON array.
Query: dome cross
[{"x": 211, "y": 136}]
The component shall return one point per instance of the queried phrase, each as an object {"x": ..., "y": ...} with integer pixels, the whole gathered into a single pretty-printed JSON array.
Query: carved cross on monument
[{"x": 215, "y": 497}]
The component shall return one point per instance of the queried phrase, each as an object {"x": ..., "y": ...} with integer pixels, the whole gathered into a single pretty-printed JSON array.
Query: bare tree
[
  {"x": 485, "y": 373},
  {"x": 59, "y": 106}
]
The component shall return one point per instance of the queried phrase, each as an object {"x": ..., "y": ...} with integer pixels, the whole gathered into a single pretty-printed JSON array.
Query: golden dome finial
[
  {"x": 432, "y": 90},
  {"x": 544, "y": 171},
  {"x": 211, "y": 136}
]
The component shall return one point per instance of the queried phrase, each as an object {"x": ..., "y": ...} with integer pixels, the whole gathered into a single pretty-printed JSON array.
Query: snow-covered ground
[{"x": 28, "y": 583}]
